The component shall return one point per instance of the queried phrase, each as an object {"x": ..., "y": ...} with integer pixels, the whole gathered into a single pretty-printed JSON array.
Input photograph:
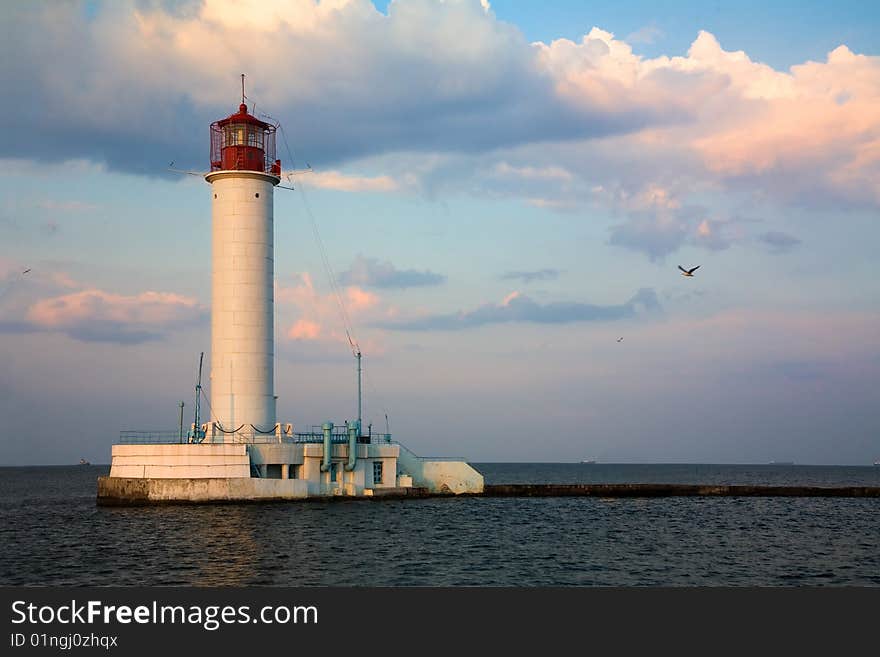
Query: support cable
[{"x": 328, "y": 269}]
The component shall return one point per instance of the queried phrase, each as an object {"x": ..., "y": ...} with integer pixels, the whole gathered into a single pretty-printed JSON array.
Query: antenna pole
[
  {"x": 358, "y": 354},
  {"x": 180, "y": 435},
  {"x": 242, "y": 89},
  {"x": 198, "y": 397}
]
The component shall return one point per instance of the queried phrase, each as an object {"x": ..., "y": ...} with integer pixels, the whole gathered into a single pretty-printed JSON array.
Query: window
[
  {"x": 334, "y": 472},
  {"x": 377, "y": 472},
  {"x": 293, "y": 471},
  {"x": 234, "y": 134}
]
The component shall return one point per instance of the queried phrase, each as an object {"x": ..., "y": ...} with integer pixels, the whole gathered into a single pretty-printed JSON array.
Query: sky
[{"x": 503, "y": 191}]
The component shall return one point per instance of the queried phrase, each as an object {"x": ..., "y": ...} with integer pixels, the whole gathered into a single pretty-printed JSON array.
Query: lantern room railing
[{"x": 243, "y": 145}]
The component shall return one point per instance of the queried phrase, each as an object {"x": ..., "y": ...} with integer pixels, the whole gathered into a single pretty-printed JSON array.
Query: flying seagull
[
  {"x": 620, "y": 339},
  {"x": 25, "y": 271},
  {"x": 688, "y": 272}
]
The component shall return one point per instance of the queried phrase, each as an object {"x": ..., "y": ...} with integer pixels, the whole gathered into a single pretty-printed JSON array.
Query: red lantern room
[{"x": 242, "y": 142}]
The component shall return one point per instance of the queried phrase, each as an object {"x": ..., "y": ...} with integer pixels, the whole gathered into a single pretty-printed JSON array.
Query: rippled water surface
[{"x": 52, "y": 532}]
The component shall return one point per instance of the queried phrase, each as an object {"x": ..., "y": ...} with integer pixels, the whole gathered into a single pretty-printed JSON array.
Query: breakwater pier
[
  {"x": 127, "y": 492},
  {"x": 673, "y": 490}
]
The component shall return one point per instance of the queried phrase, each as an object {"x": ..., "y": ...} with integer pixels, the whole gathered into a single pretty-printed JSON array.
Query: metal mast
[
  {"x": 358, "y": 355},
  {"x": 196, "y": 431}
]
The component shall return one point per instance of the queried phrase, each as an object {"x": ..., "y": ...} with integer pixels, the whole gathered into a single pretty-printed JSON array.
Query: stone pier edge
[{"x": 135, "y": 493}]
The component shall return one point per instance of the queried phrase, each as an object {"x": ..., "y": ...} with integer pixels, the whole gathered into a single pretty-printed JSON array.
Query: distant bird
[
  {"x": 688, "y": 272},
  {"x": 25, "y": 271},
  {"x": 620, "y": 339}
]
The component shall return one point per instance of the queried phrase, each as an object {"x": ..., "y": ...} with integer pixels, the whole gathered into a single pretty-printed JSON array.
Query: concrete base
[
  {"x": 176, "y": 461},
  {"x": 134, "y": 491},
  {"x": 239, "y": 472},
  {"x": 439, "y": 476},
  {"x": 130, "y": 491}
]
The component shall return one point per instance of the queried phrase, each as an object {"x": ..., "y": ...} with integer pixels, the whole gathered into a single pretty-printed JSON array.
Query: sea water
[{"x": 52, "y": 533}]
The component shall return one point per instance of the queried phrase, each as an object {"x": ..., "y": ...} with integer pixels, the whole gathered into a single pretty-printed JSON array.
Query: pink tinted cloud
[
  {"x": 826, "y": 128},
  {"x": 360, "y": 299},
  {"x": 318, "y": 317},
  {"x": 303, "y": 329},
  {"x": 96, "y": 315},
  {"x": 813, "y": 129}
]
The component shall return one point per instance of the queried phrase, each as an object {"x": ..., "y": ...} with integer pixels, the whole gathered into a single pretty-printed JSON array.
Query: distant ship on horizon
[
  {"x": 84, "y": 462},
  {"x": 781, "y": 462},
  {"x": 590, "y": 461}
]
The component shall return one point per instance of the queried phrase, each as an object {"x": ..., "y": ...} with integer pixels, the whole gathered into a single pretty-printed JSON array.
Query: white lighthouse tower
[{"x": 243, "y": 176}]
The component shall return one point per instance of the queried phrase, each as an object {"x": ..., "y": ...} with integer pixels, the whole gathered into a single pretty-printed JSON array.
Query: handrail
[
  {"x": 339, "y": 435},
  {"x": 429, "y": 458}
]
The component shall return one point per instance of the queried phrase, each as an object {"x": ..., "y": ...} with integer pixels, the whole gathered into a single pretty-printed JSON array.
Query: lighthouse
[
  {"x": 243, "y": 453},
  {"x": 243, "y": 176}
]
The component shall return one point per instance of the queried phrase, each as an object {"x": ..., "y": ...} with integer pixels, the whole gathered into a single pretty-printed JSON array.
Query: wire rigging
[
  {"x": 328, "y": 268},
  {"x": 378, "y": 401}
]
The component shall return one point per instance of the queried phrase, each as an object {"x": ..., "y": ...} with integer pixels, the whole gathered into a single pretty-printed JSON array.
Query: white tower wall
[{"x": 242, "y": 300}]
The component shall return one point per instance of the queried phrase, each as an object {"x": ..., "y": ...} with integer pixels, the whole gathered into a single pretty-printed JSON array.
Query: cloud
[
  {"x": 714, "y": 234},
  {"x": 317, "y": 319},
  {"x": 369, "y": 272},
  {"x": 349, "y": 183},
  {"x": 778, "y": 242},
  {"x": 425, "y": 77},
  {"x": 446, "y": 97},
  {"x": 531, "y": 276},
  {"x": 47, "y": 300},
  {"x": 93, "y": 315},
  {"x": 798, "y": 137},
  {"x": 505, "y": 170},
  {"x": 655, "y": 236},
  {"x": 517, "y": 307},
  {"x": 648, "y": 34},
  {"x": 303, "y": 329},
  {"x": 552, "y": 204},
  {"x": 658, "y": 224}
]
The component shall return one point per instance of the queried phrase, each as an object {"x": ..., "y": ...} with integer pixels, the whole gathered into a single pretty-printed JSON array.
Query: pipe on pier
[
  {"x": 328, "y": 446},
  {"x": 353, "y": 431}
]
